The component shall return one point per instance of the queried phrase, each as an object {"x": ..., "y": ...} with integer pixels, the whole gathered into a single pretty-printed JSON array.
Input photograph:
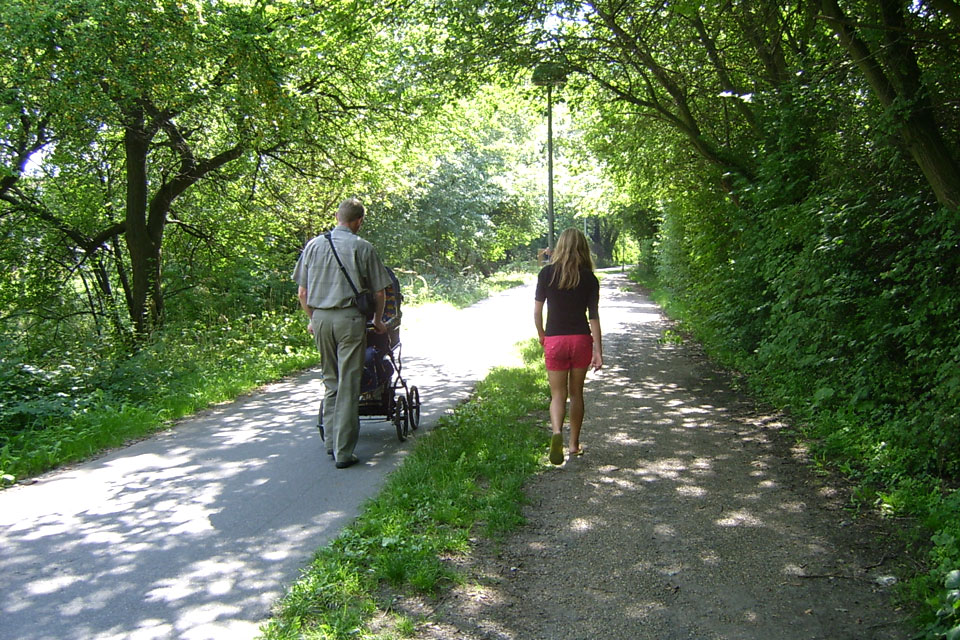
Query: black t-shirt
[{"x": 567, "y": 309}]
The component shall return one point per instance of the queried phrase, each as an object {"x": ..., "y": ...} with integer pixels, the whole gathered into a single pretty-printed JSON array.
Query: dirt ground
[{"x": 692, "y": 514}]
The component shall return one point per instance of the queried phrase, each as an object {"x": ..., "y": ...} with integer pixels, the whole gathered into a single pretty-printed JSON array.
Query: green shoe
[{"x": 556, "y": 448}]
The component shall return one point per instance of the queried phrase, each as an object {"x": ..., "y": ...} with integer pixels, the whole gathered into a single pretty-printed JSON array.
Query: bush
[{"x": 947, "y": 624}]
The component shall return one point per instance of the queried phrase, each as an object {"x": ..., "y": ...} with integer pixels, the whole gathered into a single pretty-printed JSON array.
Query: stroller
[{"x": 382, "y": 373}]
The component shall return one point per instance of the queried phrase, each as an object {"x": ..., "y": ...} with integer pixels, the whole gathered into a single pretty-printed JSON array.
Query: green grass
[
  {"x": 463, "y": 478},
  {"x": 184, "y": 370}
]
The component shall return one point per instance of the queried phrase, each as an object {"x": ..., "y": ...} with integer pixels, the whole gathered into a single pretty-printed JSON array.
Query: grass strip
[
  {"x": 184, "y": 370},
  {"x": 464, "y": 477}
]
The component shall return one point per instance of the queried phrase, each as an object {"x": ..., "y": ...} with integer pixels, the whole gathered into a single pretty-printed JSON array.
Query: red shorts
[{"x": 563, "y": 353}]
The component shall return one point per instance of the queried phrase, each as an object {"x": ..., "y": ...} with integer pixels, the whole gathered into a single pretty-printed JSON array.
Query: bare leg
[
  {"x": 558, "y": 409},
  {"x": 558, "y": 399},
  {"x": 577, "y": 376}
]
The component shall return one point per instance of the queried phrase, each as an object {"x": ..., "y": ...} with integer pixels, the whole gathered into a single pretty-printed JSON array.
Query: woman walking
[{"x": 571, "y": 341}]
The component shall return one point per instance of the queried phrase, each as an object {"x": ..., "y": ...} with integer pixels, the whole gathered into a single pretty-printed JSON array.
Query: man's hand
[
  {"x": 302, "y": 296},
  {"x": 380, "y": 301}
]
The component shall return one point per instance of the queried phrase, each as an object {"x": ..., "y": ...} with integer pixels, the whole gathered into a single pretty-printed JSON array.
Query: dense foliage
[{"x": 472, "y": 198}]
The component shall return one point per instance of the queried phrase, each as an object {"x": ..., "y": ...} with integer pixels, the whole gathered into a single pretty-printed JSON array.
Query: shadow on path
[{"x": 689, "y": 516}]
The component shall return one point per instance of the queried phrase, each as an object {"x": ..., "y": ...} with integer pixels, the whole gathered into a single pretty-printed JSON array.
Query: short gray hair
[{"x": 350, "y": 210}]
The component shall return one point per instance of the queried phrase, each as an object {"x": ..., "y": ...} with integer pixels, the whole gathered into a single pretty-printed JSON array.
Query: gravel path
[{"x": 691, "y": 515}]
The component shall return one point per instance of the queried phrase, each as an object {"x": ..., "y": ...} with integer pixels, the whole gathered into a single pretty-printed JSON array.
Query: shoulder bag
[{"x": 365, "y": 301}]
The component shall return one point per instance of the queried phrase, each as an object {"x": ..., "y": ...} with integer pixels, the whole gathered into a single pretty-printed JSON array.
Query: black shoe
[
  {"x": 330, "y": 452},
  {"x": 349, "y": 462}
]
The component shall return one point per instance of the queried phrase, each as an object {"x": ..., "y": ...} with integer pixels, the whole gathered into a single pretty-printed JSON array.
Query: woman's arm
[
  {"x": 597, "y": 361},
  {"x": 538, "y": 319}
]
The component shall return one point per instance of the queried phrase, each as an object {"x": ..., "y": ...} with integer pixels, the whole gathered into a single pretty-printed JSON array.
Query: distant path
[{"x": 197, "y": 531}]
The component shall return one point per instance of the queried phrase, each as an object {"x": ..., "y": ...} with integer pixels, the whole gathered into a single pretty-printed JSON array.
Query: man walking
[{"x": 336, "y": 323}]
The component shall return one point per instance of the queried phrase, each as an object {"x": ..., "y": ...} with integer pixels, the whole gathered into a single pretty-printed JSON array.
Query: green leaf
[
  {"x": 823, "y": 393},
  {"x": 953, "y": 580}
]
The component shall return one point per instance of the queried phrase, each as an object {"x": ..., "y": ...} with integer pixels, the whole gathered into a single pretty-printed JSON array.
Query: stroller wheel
[
  {"x": 413, "y": 406},
  {"x": 320, "y": 422},
  {"x": 401, "y": 419}
]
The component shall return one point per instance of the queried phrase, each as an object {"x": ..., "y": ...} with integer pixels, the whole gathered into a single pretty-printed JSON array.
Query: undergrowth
[{"x": 85, "y": 400}]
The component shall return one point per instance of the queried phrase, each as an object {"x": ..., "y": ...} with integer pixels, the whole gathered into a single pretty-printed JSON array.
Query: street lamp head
[{"x": 549, "y": 74}]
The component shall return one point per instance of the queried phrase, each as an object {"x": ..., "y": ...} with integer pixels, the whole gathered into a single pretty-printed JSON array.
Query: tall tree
[
  {"x": 468, "y": 194},
  {"x": 141, "y": 101}
]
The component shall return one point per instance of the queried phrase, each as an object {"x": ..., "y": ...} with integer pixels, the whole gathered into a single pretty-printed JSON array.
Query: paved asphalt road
[{"x": 196, "y": 532}]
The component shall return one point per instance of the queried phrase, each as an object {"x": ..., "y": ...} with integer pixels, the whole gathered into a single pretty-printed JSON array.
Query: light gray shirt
[{"x": 317, "y": 270}]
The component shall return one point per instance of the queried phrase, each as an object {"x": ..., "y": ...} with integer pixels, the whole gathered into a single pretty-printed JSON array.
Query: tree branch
[
  {"x": 24, "y": 150},
  {"x": 725, "y": 82},
  {"x": 859, "y": 52}
]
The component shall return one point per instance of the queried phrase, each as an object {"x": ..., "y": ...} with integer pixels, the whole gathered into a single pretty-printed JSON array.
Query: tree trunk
[
  {"x": 146, "y": 217},
  {"x": 143, "y": 241}
]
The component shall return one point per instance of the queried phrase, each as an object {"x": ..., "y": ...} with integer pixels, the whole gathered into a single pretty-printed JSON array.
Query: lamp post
[{"x": 549, "y": 75}]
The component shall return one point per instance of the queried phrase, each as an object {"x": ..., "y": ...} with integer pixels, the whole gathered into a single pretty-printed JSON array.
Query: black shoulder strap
[{"x": 339, "y": 262}]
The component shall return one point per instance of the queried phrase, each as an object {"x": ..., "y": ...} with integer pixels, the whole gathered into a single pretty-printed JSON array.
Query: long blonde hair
[{"x": 571, "y": 254}]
